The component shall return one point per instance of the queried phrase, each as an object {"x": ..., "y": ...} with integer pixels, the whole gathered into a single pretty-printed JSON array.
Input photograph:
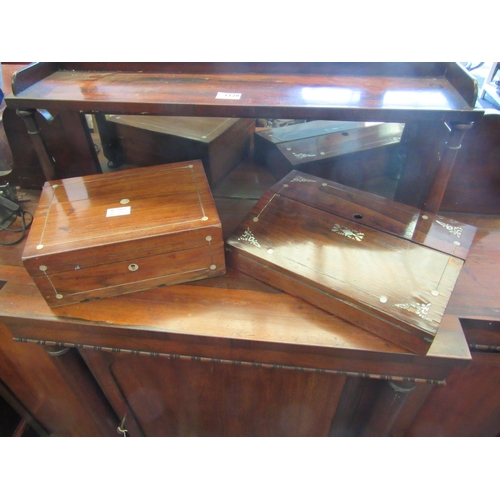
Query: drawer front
[{"x": 131, "y": 275}]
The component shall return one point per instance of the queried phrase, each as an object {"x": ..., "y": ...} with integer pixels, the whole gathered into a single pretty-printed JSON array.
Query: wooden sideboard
[{"x": 230, "y": 356}]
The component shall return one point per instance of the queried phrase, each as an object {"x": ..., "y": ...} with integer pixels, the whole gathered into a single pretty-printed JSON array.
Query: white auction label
[
  {"x": 114, "y": 212},
  {"x": 227, "y": 95}
]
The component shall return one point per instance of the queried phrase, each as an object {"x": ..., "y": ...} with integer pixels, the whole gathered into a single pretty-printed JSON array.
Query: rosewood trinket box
[
  {"x": 114, "y": 233},
  {"x": 382, "y": 265}
]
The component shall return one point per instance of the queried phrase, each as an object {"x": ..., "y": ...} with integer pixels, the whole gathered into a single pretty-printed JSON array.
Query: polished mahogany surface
[
  {"x": 326, "y": 251},
  {"x": 31, "y": 375},
  {"x": 434, "y": 231},
  {"x": 387, "y": 92},
  {"x": 124, "y": 231},
  {"x": 390, "y": 92},
  {"x": 174, "y": 397},
  {"x": 96, "y": 210},
  {"x": 140, "y": 324},
  {"x": 235, "y": 319},
  {"x": 467, "y": 406},
  {"x": 232, "y": 316}
]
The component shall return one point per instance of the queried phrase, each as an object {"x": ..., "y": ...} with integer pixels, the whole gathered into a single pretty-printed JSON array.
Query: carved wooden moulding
[
  {"x": 109, "y": 234},
  {"x": 382, "y": 265}
]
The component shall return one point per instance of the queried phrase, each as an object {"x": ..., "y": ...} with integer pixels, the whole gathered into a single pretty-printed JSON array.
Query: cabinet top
[{"x": 396, "y": 92}]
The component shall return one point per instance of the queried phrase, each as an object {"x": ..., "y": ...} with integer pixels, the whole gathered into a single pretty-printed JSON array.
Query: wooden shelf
[
  {"x": 374, "y": 92},
  {"x": 328, "y": 91}
]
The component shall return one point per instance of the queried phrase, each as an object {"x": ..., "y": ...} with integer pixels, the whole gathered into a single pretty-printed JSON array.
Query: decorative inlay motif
[
  {"x": 299, "y": 178},
  {"x": 248, "y": 236},
  {"x": 455, "y": 230},
  {"x": 419, "y": 309},
  {"x": 300, "y": 156},
  {"x": 349, "y": 233}
]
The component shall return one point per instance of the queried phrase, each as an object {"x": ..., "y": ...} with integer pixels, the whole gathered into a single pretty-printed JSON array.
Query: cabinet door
[
  {"x": 468, "y": 405},
  {"x": 31, "y": 375},
  {"x": 180, "y": 397}
]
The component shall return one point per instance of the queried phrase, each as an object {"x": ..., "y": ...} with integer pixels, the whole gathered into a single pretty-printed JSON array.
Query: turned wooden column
[
  {"x": 46, "y": 161},
  {"x": 437, "y": 188},
  {"x": 389, "y": 403}
]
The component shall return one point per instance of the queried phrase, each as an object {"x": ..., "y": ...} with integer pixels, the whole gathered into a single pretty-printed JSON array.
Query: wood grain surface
[
  {"x": 32, "y": 376},
  {"x": 232, "y": 316},
  {"x": 322, "y": 91},
  {"x": 297, "y": 239},
  {"x": 100, "y": 236},
  {"x": 163, "y": 397},
  {"x": 238, "y": 326}
]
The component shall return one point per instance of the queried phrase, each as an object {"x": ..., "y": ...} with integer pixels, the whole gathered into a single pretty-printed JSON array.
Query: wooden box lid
[
  {"x": 201, "y": 129},
  {"x": 410, "y": 223},
  {"x": 319, "y": 140},
  {"x": 315, "y": 128},
  {"x": 382, "y": 265}
]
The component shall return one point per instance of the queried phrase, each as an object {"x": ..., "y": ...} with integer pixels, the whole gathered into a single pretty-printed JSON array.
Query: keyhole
[{"x": 357, "y": 216}]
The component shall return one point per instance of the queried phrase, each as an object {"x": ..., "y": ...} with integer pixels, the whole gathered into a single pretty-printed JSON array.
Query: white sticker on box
[
  {"x": 227, "y": 95},
  {"x": 114, "y": 212}
]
